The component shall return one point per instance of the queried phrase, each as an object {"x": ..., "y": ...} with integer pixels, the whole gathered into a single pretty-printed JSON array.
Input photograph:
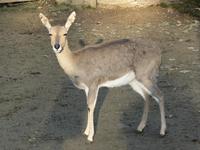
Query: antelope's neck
[{"x": 66, "y": 61}]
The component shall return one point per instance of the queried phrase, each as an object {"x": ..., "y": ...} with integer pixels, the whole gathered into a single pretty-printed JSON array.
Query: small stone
[
  {"x": 180, "y": 40},
  {"x": 191, "y": 48},
  {"x": 32, "y": 139},
  {"x": 172, "y": 59},
  {"x": 170, "y": 10},
  {"x": 45, "y": 56},
  {"x": 77, "y": 24},
  {"x": 178, "y": 23},
  {"x": 98, "y": 22},
  {"x": 166, "y": 32},
  {"x": 185, "y": 71},
  {"x": 196, "y": 23},
  {"x": 195, "y": 50}
]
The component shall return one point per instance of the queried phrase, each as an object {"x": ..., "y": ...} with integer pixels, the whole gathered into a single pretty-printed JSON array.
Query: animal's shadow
[
  {"x": 68, "y": 118},
  {"x": 182, "y": 121}
]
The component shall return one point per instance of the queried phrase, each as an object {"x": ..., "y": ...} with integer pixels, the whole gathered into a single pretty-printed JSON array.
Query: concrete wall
[
  {"x": 113, "y": 3},
  {"x": 91, "y": 3},
  {"x": 127, "y": 3}
]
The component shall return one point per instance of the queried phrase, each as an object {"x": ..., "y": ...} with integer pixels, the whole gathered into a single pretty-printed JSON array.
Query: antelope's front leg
[
  {"x": 91, "y": 102},
  {"x": 86, "y": 132}
]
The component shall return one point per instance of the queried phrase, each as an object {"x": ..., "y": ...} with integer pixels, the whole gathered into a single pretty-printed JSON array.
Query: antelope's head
[{"x": 58, "y": 34}]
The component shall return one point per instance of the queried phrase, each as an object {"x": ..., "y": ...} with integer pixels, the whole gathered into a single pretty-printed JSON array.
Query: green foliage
[
  {"x": 164, "y": 5},
  {"x": 28, "y": 6},
  {"x": 61, "y": 7},
  {"x": 47, "y": 5},
  {"x": 191, "y": 7},
  {"x": 87, "y": 7}
]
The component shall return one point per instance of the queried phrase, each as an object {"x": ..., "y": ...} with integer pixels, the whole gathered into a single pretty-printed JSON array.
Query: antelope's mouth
[{"x": 58, "y": 50}]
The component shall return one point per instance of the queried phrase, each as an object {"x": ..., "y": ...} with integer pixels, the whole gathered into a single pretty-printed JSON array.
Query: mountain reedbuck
[{"x": 117, "y": 63}]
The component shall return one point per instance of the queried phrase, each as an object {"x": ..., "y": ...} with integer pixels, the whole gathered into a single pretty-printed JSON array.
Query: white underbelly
[{"x": 124, "y": 80}]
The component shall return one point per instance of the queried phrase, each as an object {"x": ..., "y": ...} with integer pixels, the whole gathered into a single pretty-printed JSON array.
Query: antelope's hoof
[
  {"x": 139, "y": 131},
  {"x": 85, "y": 134},
  {"x": 163, "y": 133},
  {"x": 90, "y": 140}
]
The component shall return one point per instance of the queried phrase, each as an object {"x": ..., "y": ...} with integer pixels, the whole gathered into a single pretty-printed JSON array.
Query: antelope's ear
[
  {"x": 70, "y": 20},
  {"x": 45, "y": 21}
]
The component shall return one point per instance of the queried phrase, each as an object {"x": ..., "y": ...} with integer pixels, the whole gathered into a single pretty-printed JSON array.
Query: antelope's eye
[
  {"x": 65, "y": 34},
  {"x": 50, "y": 34}
]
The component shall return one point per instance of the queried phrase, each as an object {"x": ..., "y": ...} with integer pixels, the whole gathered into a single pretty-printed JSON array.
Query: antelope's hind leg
[
  {"x": 157, "y": 95},
  {"x": 86, "y": 132},
  {"x": 152, "y": 89},
  {"x": 136, "y": 87}
]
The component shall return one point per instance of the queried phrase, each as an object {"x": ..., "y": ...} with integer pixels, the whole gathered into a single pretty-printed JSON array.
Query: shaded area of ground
[{"x": 41, "y": 109}]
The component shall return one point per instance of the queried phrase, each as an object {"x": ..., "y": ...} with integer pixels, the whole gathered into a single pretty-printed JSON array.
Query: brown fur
[
  {"x": 119, "y": 57},
  {"x": 127, "y": 61}
]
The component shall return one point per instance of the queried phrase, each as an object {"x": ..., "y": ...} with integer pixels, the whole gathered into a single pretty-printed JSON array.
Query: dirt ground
[{"x": 40, "y": 109}]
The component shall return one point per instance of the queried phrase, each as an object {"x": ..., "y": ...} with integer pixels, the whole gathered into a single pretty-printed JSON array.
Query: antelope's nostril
[{"x": 57, "y": 46}]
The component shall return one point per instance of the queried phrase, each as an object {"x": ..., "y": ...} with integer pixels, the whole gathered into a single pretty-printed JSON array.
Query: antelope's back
[{"x": 117, "y": 57}]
